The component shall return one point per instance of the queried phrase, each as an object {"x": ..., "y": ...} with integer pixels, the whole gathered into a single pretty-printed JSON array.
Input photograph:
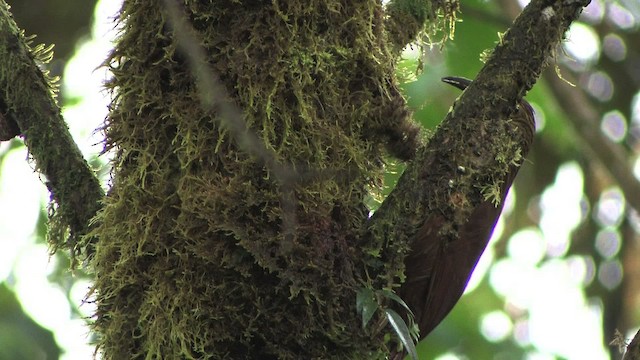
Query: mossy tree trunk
[{"x": 240, "y": 236}]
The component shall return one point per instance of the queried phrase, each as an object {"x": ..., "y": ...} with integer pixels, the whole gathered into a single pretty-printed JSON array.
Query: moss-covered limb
[
  {"x": 28, "y": 97},
  {"x": 523, "y": 51},
  {"x": 449, "y": 178},
  {"x": 518, "y": 59},
  {"x": 405, "y": 19}
]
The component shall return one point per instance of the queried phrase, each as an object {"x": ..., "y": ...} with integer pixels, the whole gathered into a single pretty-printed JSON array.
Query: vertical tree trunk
[{"x": 214, "y": 246}]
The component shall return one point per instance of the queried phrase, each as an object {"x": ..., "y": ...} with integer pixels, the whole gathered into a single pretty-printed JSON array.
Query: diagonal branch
[
  {"x": 512, "y": 70},
  {"x": 27, "y": 96},
  {"x": 584, "y": 119},
  {"x": 437, "y": 183}
]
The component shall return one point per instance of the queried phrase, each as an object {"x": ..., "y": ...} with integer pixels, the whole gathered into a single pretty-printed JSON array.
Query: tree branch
[
  {"x": 406, "y": 18},
  {"x": 28, "y": 96},
  {"x": 435, "y": 183}
]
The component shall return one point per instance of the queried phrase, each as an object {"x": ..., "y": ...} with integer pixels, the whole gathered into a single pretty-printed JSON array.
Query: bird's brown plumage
[{"x": 438, "y": 269}]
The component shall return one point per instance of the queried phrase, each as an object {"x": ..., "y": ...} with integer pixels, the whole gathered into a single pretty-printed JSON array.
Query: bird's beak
[{"x": 459, "y": 82}]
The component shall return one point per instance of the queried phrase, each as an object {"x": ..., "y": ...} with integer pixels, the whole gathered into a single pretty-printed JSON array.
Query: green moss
[
  {"x": 425, "y": 22},
  {"x": 28, "y": 103},
  {"x": 203, "y": 251}
]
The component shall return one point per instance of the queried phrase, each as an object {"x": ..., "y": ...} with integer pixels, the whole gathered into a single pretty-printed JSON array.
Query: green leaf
[
  {"x": 366, "y": 305},
  {"x": 401, "y": 329},
  {"x": 391, "y": 295}
]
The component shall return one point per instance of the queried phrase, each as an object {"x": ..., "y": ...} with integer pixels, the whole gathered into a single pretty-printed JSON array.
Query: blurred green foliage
[{"x": 20, "y": 337}]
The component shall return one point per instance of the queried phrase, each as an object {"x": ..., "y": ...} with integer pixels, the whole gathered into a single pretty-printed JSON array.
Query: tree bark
[
  {"x": 247, "y": 137},
  {"x": 28, "y": 108}
]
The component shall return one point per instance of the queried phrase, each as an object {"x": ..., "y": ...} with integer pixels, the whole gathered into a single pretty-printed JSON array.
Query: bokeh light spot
[
  {"x": 495, "y": 326},
  {"x": 608, "y": 242},
  {"x": 636, "y": 168},
  {"x": 634, "y": 220},
  {"x": 635, "y": 108},
  {"x": 610, "y": 274},
  {"x": 521, "y": 332},
  {"x": 614, "y": 125},
  {"x": 614, "y": 47},
  {"x": 594, "y": 12},
  {"x": 620, "y": 16},
  {"x": 450, "y": 356},
  {"x": 582, "y": 269},
  {"x": 563, "y": 302},
  {"x": 583, "y": 44},
  {"x": 600, "y": 86},
  {"x": 536, "y": 355},
  {"x": 610, "y": 207},
  {"x": 527, "y": 246},
  {"x": 513, "y": 281},
  {"x": 20, "y": 210},
  {"x": 561, "y": 208}
]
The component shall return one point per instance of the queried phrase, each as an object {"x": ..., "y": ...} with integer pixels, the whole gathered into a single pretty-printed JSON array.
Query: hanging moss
[{"x": 195, "y": 259}]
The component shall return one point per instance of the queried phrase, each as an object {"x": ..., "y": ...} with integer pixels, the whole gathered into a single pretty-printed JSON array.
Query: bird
[{"x": 437, "y": 269}]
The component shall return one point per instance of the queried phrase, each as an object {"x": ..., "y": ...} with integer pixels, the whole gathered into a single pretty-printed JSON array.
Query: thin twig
[{"x": 215, "y": 98}]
